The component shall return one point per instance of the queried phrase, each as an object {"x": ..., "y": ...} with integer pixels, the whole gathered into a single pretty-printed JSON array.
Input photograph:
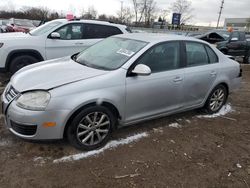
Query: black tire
[
  {"x": 79, "y": 126},
  {"x": 21, "y": 61},
  {"x": 209, "y": 106},
  {"x": 246, "y": 59}
]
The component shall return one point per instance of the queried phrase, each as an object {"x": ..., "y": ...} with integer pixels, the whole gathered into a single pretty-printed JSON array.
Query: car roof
[
  {"x": 156, "y": 37},
  {"x": 91, "y": 21}
]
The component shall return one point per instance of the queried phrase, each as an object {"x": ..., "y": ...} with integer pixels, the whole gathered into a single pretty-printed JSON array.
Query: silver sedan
[{"x": 120, "y": 81}]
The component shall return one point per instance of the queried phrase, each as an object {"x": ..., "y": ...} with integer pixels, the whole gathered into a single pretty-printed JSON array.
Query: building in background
[{"x": 240, "y": 24}]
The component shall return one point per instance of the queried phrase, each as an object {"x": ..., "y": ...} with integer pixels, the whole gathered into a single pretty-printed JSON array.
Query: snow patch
[
  {"x": 223, "y": 111},
  {"x": 175, "y": 125},
  {"x": 110, "y": 145}
]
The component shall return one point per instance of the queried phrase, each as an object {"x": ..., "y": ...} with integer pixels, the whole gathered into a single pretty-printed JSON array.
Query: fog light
[{"x": 49, "y": 124}]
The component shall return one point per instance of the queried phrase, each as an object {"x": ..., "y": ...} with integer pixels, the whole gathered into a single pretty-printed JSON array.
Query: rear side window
[
  {"x": 235, "y": 35},
  {"x": 211, "y": 55},
  {"x": 196, "y": 54},
  {"x": 92, "y": 31}
]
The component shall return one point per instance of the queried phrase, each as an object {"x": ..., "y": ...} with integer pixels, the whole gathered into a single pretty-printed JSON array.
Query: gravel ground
[{"x": 183, "y": 150}]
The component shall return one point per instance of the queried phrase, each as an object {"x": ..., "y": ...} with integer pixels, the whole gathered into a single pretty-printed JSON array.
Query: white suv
[{"x": 57, "y": 38}]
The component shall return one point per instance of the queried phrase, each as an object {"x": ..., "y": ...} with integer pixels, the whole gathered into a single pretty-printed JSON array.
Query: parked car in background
[
  {"x": 214, "y": 36},
  {"x": 3, "y": 25},
  {"x": 119, "y": 81},
  {"x": 19, "y": 25},
  {"x": 57, "y": 38},
  {"x": 236, "y": 45}
]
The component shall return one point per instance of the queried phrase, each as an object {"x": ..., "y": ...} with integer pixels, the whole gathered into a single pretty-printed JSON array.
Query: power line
[{"x": 221, "y": 7}]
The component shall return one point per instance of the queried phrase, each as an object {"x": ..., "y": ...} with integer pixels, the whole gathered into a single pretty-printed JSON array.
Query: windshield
[
  {"x": 45, "y": 28},
  {"x": 110, "y": 53}
]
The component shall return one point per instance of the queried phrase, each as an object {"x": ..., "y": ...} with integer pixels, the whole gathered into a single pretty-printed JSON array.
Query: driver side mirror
[
  {"x": 234, "y": 39},
  {"x": 141, "y": 70},
  {"x": 55, "y": 35}
]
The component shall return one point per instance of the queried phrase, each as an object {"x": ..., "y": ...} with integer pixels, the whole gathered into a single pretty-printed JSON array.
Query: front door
[
  {"x": 159, "y": 92},
  {"x": 71, "y": 41}
]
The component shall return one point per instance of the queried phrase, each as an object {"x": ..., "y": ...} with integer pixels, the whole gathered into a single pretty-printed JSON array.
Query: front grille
[
  {"x": 11, "y": 93},
  {"x": 23, "y": 129}
]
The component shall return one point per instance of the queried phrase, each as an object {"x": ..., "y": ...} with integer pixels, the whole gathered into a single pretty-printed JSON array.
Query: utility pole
[
  {"x": 221, "y": 7},
  {"x": 121, "y": 10}
]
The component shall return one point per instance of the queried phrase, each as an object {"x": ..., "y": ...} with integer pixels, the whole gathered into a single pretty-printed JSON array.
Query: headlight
[
  {"x": 34, "y": 100},
  {"x": 1, "y": 44}
]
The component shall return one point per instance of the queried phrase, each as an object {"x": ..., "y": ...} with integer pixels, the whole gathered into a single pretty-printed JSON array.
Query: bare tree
[
  {"x": 41, "y": 13},
  {"x": 164, "y": 13},
  {"x": 135, "y": 5},
  {"x": 103, "y": 17},
  {"x": 139, "y": 8},
  {"x": 91, "y": 13},
  {"x": 144, "y": 10},
  {"x": 183, "y": 7},
  {"x": 125, "y": 15},
  {"x": 149, "y": 12}
]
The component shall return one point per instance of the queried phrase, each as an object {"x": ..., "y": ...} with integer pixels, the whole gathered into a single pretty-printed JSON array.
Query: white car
[{"x": 57, "y": 38}]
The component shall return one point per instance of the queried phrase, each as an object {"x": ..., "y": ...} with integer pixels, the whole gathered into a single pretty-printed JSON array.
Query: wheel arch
[
  {"x": 15, "y": 53},
  {"x": 106, "y": 104},
  {"x": 225, "y": 84}
]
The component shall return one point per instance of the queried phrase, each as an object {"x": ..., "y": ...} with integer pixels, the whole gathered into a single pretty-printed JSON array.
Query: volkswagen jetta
[{"x": 119, "y": 81}]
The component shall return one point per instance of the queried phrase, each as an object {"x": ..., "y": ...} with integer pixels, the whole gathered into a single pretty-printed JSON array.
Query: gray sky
[{"x": 205, "y": 11}]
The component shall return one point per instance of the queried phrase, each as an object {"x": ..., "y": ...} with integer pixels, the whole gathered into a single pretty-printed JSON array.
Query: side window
[
  {"x": 196, "y": 54},
  {"x": 235, "y": 35},
  {"x": 71, "y": 32},
  {"x": 100, "y": 31},
  {"x": 213, "y": 58},
  {"x": 162, "y": 57}
]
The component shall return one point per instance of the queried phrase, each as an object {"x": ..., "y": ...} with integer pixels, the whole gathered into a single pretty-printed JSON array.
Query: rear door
[{"x": 200, "y": 73}]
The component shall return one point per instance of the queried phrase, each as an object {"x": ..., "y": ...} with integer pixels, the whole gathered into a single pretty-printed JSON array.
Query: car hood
[
  {"x": 13, "y": 36},
  {"x": 50, "y": 74}
]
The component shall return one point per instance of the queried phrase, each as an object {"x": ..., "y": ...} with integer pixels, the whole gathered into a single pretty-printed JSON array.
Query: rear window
[{"x": 92, "y": 31}]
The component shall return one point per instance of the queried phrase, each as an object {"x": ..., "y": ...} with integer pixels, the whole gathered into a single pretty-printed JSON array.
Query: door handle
[
  {"x": 178, "y": 79},
  {"x": 213, "y": 73},
  {"x": 78, "y": 43}
]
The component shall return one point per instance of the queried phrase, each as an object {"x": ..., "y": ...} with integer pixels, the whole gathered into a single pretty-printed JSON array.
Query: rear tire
[
  {"x": 246, "y": 59},
  {"x": 21, "y": 61},
  {"x": 91, "y": 128},
  {"x": 216, "y": 99}
]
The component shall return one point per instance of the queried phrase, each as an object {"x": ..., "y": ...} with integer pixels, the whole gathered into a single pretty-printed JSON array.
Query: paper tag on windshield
[{"x": 125, "y": 52}]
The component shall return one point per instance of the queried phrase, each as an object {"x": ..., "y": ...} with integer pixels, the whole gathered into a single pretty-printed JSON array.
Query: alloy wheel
[
  {"x": 217, "y": 99},
  {"x": 93, "y": 128}
]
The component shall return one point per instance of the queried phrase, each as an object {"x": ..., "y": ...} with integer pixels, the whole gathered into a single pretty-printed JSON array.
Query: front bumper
[{"x": 29, "y": 124}]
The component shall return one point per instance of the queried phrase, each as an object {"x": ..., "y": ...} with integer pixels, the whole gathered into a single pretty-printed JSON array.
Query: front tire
[
  {"x": 91, "y": 128},
  {"x": 216, "y": 99},
  {"x": 21, "y": 61}
]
